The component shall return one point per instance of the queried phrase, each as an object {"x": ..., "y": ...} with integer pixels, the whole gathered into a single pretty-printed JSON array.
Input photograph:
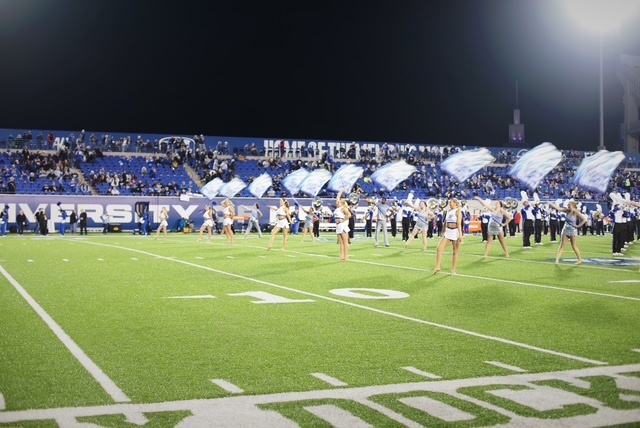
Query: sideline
[
  {"x": 107, "y": 384},
  {"x": 359, "y": 306}
]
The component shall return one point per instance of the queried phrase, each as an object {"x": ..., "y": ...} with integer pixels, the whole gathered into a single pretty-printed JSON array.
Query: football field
[{"x": 122, "y": 330}]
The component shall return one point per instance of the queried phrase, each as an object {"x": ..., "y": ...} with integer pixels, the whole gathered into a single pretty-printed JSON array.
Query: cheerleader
[
  {"x": 342, "y": 214},
  {"x": 283, "y": 220},
  {"x": 498, "y": 219},
  {"x": 164, "y": 222},
  {"x": 208, "y": 222},
  {"x": 228, "y": 212},
  {"x": 452, "y": 235},
  {"x": 309, "y": 220},
  {"x": 423, "y": 216},
  {"x": 574, "y": 220}
]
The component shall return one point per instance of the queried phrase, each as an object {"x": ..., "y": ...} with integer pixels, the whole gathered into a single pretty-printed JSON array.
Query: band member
[
  {"x": 283, "y": 220},
  {"x": 383, "y": 212},
  {"x": 368, "y": 220},
  {"x": 573, "y": 222},
  {"x": 527, "y": 224},
  {"x": 537, "y": 225},
  {"x": 499, "y": 218},
  {"x": 553, "y": 224}
]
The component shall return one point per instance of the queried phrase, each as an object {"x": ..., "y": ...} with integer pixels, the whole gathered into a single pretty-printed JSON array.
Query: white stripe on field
[
  {"x": 2, "y": 403},
  {"x": 359, "y": 306},
  {"x": 107, "y": 384},
  {"x": 421, "y": 373},
  {"x": 207, "y": 296},
  {"x": 636, "y": 350},
  {"x": 337, "y": 417},
  {"x": 228, "y": 386},
  {"x": 330, "y": 380},
  {"x": 626, "y": 281},
  {"x": 506, "y": 366}
]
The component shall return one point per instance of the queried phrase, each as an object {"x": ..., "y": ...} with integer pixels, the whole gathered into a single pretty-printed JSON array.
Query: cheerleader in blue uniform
[
  {"x": 574, "y": 220},
  {"x": 498, "y": 219}
]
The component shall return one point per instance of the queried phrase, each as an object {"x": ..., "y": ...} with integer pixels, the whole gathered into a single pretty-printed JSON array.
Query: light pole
[{"x": 601, "y": 145}]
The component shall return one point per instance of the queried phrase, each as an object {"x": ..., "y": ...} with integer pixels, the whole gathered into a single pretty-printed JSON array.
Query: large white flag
[
  {"x": 314, "y": 181},
  {"x": 260, "y": 185},
  {"x": 345, "y": 177},
  {"x": 211, "y": 189},
  {"x": 390, "y": 175},
  {"x": 532, "y": 167},
  {"x": 292, "y": 181},
  {"x": 596, "y": 170},
  {"x": 232, "y": 188},
  {"x": 463, "y": 165}
]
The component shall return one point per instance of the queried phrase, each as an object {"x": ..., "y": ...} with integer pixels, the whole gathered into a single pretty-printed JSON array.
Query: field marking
[
  {"x": 626, "y": 281},
  {"x": 359, "y": 306},
  {"x": 3, "y": 405},
  {"x": 336, "y": 416},
  {"x": 107, "y": 384},
  {"x": 228, "y": 386},
  {"x": 421, "y": 373},
  {"x": 507, "y": 366},
  {"x": 245, "y": 410},
  {"x": 206, "y": 296},
  {"x": 328, "y": 379},
  {"x": 636, "y": 350},
  {"x": 505, "y": 281}
]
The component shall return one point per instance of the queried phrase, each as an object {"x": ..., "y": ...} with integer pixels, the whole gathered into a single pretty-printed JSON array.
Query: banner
[
  {"x": 390, "y": 175},
  {"x": 534, "y": 165},
  {"x": 595, "y": 171},
  {"x": 211, "y": 189},
  {"x": 232, "y": 188},
  {"x": 293, "y": 181},
  {"x": 345, "y": 178},
  {"x": 463, "y": 165},
  {"x": 260, "y": 185},
  {"x": 314, "y": 181}
]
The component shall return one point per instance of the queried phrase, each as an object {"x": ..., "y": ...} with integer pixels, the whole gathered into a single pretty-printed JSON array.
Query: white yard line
[
  {"x": 506, "y": 366},
  {"x": 359, "y": 306},
  {"x": 228, "y": 386},
  {"x": 329, "y": 379},
  {"x": 421, "y": 373},
  {"x": 107, "y": 384}
]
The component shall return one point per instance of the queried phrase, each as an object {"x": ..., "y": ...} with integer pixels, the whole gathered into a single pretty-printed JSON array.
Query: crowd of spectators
[{"x": 161, "y": 170}]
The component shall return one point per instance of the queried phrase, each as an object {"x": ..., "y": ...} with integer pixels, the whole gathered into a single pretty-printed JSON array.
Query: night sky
[{"x": 434, "y": 72}]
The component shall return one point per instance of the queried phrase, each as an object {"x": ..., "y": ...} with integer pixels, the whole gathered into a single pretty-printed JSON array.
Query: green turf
[{"x": 112, "y": 295}]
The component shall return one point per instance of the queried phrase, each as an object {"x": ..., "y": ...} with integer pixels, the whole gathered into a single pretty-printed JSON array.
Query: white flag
[
  {"x": 232, "y": 188},
  {"x": 292, "y": 181},
  {"x": 390, "y": 175},
  {"x": 260, "y": 185},
  {"x": 463, "y": 165},
  {"x": 596, "y": 170},
  {"x": 532, "y": 167},
  {"x": 345, "y": 177},
  {"x": 314, "y": 181},
  {"x": 211, "y": 189}
]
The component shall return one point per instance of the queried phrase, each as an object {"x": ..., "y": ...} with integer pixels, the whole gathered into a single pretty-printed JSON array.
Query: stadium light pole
[{"x": 602, "y": 17}]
